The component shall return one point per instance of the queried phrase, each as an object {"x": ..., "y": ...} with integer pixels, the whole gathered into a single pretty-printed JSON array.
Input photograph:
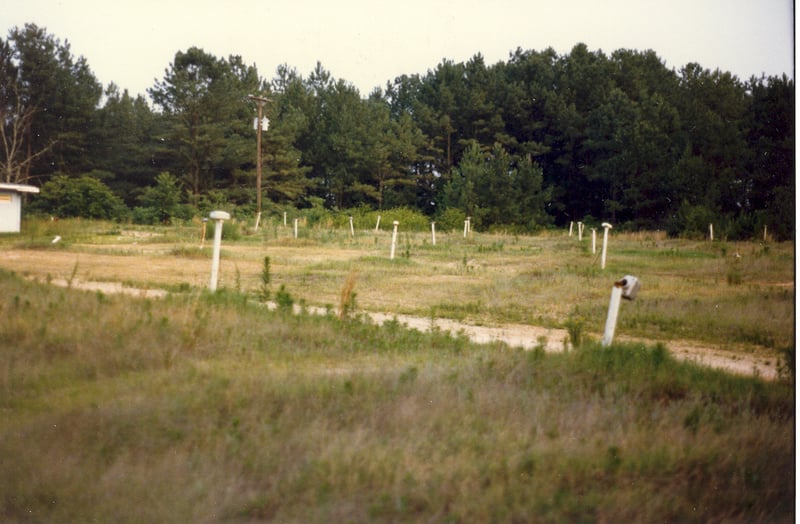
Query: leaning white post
[
  {"x": 394, "y": 239},
  {"x": 626, "y": 288},
  {"x": 613, "y": 311},
  {"x": 378, "y": 223},
  {"x": 570, "y": 227},
  {"x": 218, "y": 217},
  {"x": 606, "y": 227},
  {"x": 433, "y": 233},
  {"x": 594, "y": 240},
  {"x": 352, "y": 231}
]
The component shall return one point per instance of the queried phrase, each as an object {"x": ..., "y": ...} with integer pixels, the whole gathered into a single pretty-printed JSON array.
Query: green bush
[
  {"x": 161, "y": 204},
  {"x": 451, "y": 219},
  {"x": 84, "y": 196}
]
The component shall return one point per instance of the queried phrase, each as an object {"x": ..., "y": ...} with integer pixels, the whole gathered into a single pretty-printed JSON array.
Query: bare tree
[{"x": 15, "y": 129}]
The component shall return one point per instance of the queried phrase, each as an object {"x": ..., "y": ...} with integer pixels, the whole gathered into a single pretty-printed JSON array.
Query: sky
[{"x": 369, "y": 42}]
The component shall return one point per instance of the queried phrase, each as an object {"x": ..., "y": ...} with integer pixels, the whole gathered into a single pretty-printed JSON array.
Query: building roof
[{"x": 19, "y": 188}]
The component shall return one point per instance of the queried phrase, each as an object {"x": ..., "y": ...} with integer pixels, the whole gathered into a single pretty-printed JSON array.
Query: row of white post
[
  {"x": 606, "y": 227},
  {"x": 467, "y": 229},
  {"x": 616, "y": 292},
  {"x": 711, "y": 232}
]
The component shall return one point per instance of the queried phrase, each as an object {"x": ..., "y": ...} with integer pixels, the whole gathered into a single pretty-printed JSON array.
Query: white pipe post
[
  {"x": 433, "y": 233},
  {"x": 606, "y": 227},
  {"x": 613, "y": 311},
  {"x": 284, "y": 219},
  {"x": 580, "y": 231},
  {"x": 466, "y": 226},
  {"x": 594, "y": 240},
  {"x": 378, "y": 223},
  {"x": 218, "y": 217},
  {"x": 203, "y": 233},
  {"x": 394, "y": 239},
  {"x": 296, "y": 220},
  {"x": 352, "y": 231},
  {"x": 570, "y": 227},
  {"x": 469, "y": 225},
  {"x": 711, "y": 232}
]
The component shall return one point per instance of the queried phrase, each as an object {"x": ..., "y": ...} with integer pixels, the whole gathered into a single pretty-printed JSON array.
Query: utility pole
[{"x": 260, "y": 101}]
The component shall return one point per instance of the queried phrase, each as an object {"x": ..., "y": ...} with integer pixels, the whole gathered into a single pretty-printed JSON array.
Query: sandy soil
[{"x": 515, "y": 335}]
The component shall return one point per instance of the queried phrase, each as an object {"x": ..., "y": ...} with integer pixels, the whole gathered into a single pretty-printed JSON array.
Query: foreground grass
[{"x": 210, "y": 408}]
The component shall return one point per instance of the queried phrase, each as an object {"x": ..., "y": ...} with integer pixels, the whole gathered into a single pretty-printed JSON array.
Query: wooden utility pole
[{"x": 260, "y": 101}]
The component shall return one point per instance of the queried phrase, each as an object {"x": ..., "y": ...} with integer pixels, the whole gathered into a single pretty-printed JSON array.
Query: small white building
[{"x": 11, "y": 205}]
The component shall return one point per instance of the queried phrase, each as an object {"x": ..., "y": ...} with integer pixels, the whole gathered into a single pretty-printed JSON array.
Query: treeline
[{"x": 538, "y": 140}]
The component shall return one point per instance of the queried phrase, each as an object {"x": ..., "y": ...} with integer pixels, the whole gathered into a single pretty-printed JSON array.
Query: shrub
[
  {"x": 85, "y": 197},
  {"x": 162, "y": 203},
  {"x": 451, "y": 219}
]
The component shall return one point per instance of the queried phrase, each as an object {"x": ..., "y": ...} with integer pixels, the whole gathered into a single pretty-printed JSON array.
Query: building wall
[{"x": 10, "y": 209}]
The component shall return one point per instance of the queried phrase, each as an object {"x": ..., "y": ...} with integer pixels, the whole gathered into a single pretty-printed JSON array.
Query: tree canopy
[{"x": 536, "y": 140}]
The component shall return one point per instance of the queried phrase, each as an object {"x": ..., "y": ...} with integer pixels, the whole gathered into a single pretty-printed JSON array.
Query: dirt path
[
  {"x": 529, "y": 337},
  {"x": 515, "y": 335}
]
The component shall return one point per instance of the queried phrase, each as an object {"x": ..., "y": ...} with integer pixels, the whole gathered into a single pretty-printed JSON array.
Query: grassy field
[
  {"x": 738, "y": 296},
  {"x": 211, "y": 408}
]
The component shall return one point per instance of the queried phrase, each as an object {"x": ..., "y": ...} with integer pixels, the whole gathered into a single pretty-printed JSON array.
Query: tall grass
[{"x": 204, "y": 408}]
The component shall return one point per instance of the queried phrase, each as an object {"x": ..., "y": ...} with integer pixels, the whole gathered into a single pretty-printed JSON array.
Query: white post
[
  {"x": 218, "y": 217},
  {"x": 570, "y": 227},
  {"x": 711, "y": 232},
  {"x": 352, "y": 231},
  {"x": 469, "y": 225},
  {"x": 378, "y": 223},
  {"x": 466, "y": 226},
  {"x": 284, "y": 218},
  {"x": 580, "y": 231},
  {"x": 433, "y": 233},
  {"x": 258, "y": 220},
  {"x": 594, "y": 240},
  {"x": 203, "y": 234},
  {"x": 613, "y": 311},
  {"x": 606, "y": 227},
  {"x": 394, "y": 239},
  {"x": 296, "y": 220}
]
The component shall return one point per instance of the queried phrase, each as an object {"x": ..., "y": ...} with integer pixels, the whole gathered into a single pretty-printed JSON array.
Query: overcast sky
[{"x": 368, "y": 42}]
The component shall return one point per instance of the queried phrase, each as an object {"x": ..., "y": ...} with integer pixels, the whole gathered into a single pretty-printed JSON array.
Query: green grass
[{"x": 199, "y": 408}]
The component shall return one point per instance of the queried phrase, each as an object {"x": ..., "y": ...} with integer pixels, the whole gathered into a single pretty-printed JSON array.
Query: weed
[
  {"x": 734, "y": 274},
  {"x": 284, "y": 299},
  {"x": 574, "y": 325},
  {"x": 347, "y": 297},
  {"x": 72, "y": 275},
  {"x": 786, "y": 366},
  {"x": 264, "y": 291}
]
